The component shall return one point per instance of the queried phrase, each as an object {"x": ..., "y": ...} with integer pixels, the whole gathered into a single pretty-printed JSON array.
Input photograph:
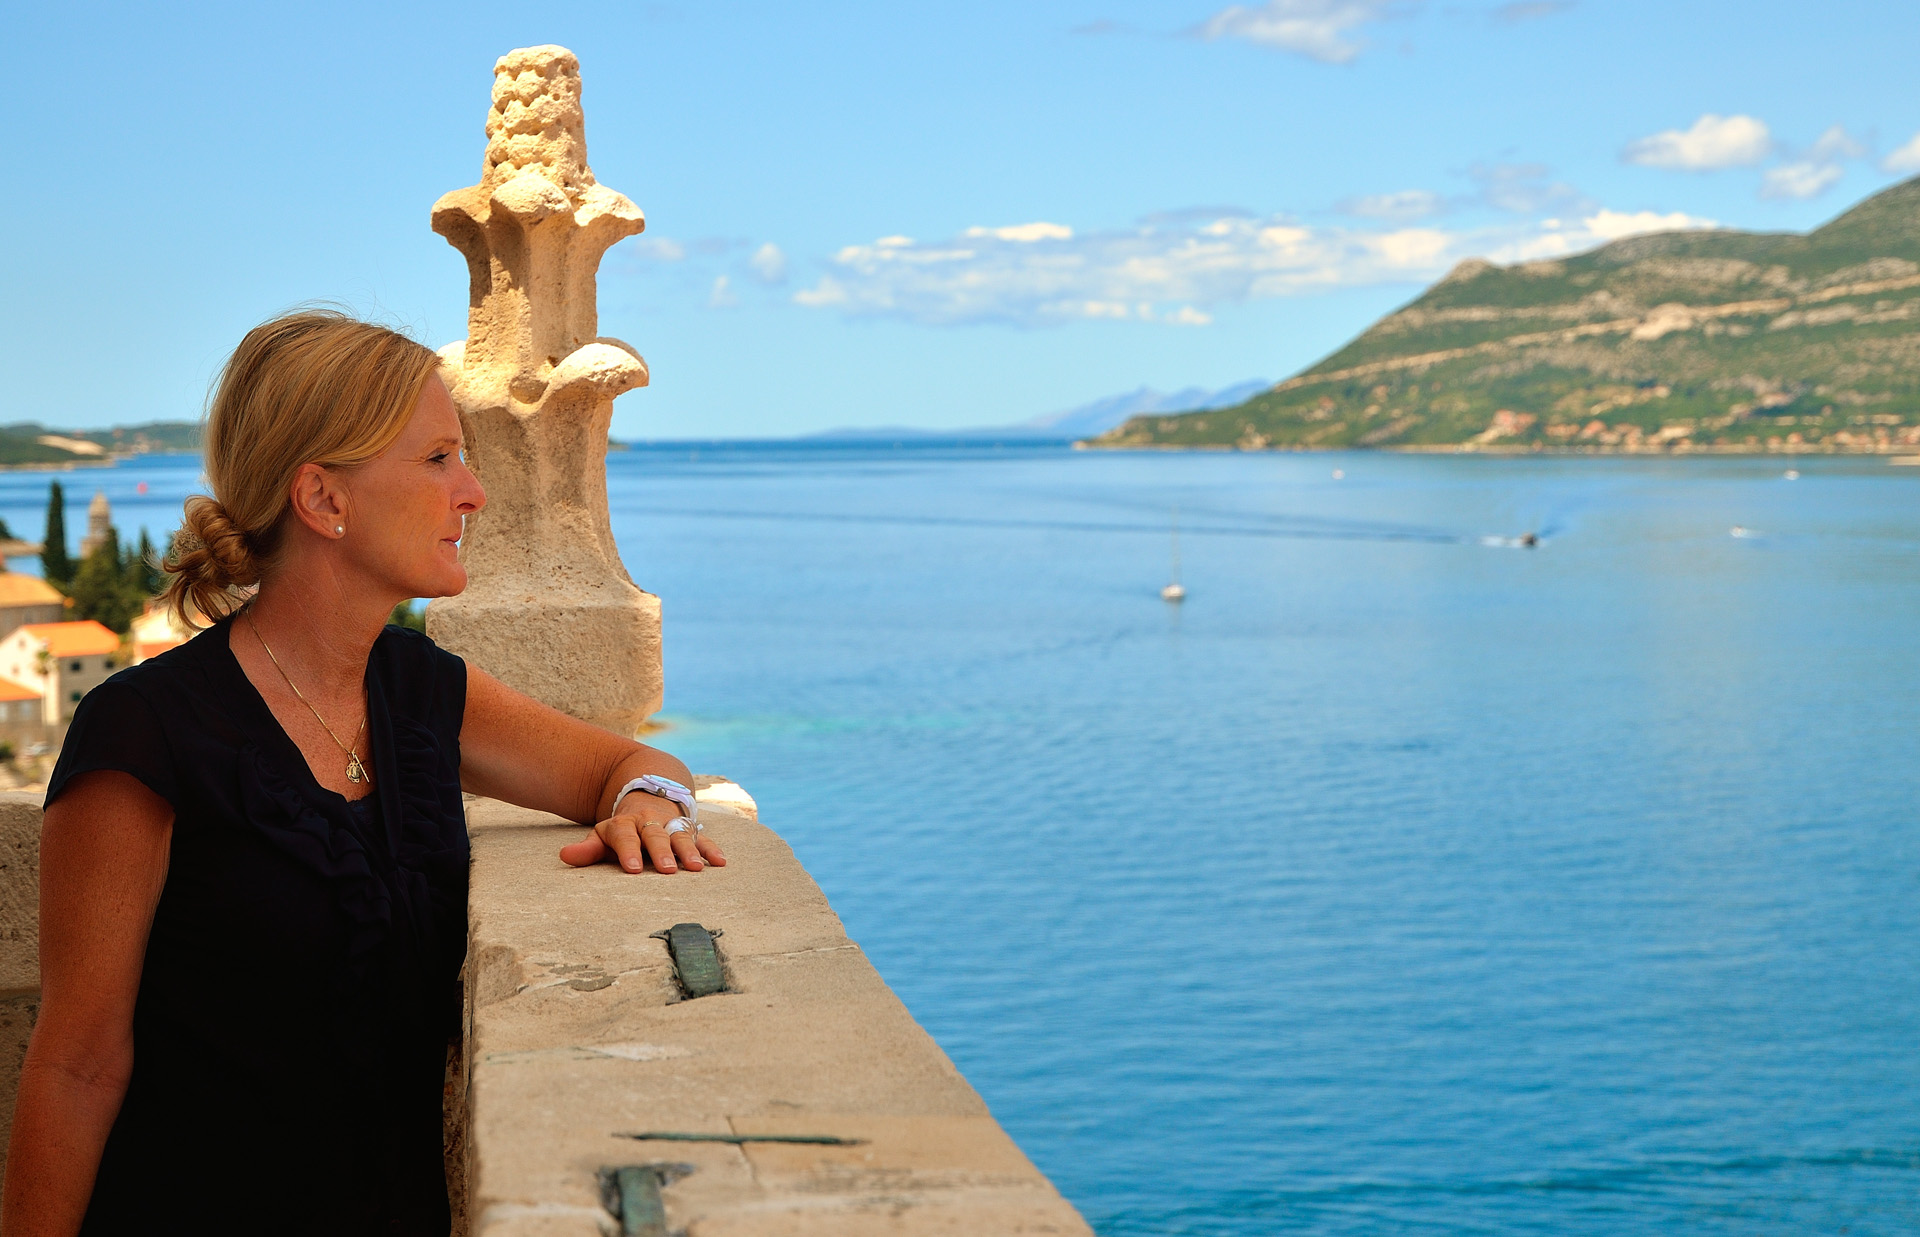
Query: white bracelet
[{"x": 662, "y": 788}]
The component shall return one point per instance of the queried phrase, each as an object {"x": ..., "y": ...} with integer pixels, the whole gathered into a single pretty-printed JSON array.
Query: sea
[{"x": 1407, "y": 878}]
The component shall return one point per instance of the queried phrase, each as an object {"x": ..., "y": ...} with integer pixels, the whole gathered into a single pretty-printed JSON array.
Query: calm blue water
[{"x": 1398, "y": 882}]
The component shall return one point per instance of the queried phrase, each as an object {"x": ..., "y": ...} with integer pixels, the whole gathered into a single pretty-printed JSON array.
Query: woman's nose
[{"x": 472, "y": 495}]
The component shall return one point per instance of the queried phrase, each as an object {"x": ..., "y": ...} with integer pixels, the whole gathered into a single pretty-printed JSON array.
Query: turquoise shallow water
[{"x": 1398, "y": 882}]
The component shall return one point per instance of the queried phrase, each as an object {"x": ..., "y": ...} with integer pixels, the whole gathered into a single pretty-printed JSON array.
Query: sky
[{"x": 927, "y": 215}]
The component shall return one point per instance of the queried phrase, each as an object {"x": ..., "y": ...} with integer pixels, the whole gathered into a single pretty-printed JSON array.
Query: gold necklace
[{"x": 356, "y": 772}]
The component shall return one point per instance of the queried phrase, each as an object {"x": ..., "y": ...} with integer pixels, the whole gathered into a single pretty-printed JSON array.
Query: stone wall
[
  {"x": 578, "y": 1032},
  {"x": 19, "y": 944}
]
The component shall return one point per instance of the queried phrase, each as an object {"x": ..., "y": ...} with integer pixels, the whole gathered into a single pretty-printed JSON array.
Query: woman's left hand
[{"x": 639, "y": 833}]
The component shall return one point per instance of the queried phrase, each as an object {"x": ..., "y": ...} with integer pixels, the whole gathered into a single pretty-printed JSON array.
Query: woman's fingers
[
  {"x": 584, "y": 853},
  {"x": 626, "y": 835},
  {"x": 686, "y": 848},
  {"x": 631, "y": 841},
  {"x": 660, "y": 848}
]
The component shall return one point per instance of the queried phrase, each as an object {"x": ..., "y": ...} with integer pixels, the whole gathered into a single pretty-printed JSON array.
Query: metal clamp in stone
[
  {"x": 631, "y": 1193},
  {"x": 696, "y": 959}
]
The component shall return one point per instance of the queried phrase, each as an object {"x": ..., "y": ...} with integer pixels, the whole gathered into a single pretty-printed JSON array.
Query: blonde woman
[{"x": 254, "y": 863}]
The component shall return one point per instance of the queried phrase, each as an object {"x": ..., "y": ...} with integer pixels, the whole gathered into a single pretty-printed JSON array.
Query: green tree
[
  {"x": 99, "y": 588},
  {"x": 142, "y": 569},
  {"x": 55, "y": 563},
  {"x": 404, "y": 615}
]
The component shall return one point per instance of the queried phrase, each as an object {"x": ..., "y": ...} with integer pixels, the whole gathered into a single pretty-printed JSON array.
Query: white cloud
[
  {"x": 1836, "y": 144},
  {"x": 1611, "y": 225},
  {"x": 1025, "y": 232},
  {"x": 722, "y": 296},
  {"x": 769, "y": 264},
  {"x": 1175, "y": 268},
  {"x": 1803, "y": 178},
  {"x": 1904, "y": 161},
  {"x": 1317, "y": 29},
  {"x": 1171, "y": 268},
  {"x": 1557, "y": 238},
  {"x": 1712, "y": 142},
  {"x": 659, "y": 248},
  {"x": 1816, "y": 171},
  {"x": 1404, "y": 206},
  {"x": 1523, "y": 189}
]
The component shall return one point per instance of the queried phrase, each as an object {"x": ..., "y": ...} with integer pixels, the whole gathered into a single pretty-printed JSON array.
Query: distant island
[
  {"x": 1064, "y": 426},
  {"x": 1680, "y": 341},
  {"x": 28, "y": 444}
]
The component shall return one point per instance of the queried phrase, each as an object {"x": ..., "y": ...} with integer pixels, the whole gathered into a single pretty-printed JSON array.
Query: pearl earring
[{"x": 339, "y": 530}]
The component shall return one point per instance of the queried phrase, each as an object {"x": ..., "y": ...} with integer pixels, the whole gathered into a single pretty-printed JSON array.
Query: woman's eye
[{"x": 439, "y": 458}]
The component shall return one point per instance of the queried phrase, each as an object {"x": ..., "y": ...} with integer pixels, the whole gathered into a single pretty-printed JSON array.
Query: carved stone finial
[{"x": 549, "y": 609}]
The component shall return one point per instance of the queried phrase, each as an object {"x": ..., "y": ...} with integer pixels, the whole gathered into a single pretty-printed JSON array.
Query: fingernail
[{"x": 633, "y": 865}]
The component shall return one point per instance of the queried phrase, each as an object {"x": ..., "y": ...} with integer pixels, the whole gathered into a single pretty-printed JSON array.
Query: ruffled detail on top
[{"x": 323, "y": 843}]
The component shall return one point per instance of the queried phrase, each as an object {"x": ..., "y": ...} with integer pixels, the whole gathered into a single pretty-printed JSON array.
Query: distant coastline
[{"x": 1898, "y": 453}]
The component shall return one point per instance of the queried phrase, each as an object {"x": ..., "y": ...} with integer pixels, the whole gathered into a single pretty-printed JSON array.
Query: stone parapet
[
  {"x": 578, "y": 1034},
  {"x": 19, "y": 944}
]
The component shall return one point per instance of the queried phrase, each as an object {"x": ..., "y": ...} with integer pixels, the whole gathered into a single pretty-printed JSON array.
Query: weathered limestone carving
[{"x": 549, "y": 609}]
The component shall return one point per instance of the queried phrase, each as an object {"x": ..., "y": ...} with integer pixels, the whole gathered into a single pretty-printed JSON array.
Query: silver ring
[{"x": 679, "y": 826}]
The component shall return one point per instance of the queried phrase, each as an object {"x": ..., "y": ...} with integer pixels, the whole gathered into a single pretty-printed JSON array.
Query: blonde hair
[{"x": 315, "y": 386}]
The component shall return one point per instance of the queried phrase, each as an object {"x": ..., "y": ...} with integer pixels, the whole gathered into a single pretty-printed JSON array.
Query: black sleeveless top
[{"x": 301, "y": 980}]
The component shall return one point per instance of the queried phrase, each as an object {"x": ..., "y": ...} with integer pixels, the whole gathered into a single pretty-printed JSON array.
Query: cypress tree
[
  {"x": 54, "y": 561},
  {"x": 143, "y": 569},
  {"x": 99, "y": 589}
]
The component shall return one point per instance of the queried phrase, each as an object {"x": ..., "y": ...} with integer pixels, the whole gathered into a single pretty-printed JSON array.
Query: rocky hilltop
[{"x": 1718, "y": 340}]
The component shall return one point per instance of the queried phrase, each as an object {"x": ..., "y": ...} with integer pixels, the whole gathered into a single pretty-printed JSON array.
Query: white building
[
  {"x": 61, "y": 661},
  {"x": 156, "y": 631},
  {"x": 28, "y": 599}
]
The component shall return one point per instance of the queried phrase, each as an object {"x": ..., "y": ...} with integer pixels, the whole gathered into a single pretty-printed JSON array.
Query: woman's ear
[{"x": 319, "y": 500}]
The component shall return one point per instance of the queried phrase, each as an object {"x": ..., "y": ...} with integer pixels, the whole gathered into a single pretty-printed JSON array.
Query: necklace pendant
[{"x": 356, "y": 772}]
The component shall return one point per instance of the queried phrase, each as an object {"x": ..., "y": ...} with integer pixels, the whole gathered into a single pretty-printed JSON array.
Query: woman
[{"x": 254, "y": 859}]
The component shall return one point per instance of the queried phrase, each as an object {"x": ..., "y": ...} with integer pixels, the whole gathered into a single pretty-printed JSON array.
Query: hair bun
[{"x": 210, "y": 559}]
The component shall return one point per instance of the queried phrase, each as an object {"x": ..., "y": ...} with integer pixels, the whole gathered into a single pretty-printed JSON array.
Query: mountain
[
  {"x": 31, "y": 443},
  {"x": 1086, "y": 420},
  {"x": 1707, "y": 339},
  {"x": 1104, "y": 414}
]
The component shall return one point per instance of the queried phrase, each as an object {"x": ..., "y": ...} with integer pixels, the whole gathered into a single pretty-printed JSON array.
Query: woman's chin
[{"x": 449, "y": 581}]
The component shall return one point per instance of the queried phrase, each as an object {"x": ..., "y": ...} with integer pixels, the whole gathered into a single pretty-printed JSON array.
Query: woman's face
[{"x": 408, "y": 506}]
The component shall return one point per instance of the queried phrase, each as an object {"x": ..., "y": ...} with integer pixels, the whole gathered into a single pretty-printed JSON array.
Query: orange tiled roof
[
  {"x": 81, "y": 639},
  {"x": 143, "y": 649},
  {"x": 10, "y": 690},
  {"x": 17, "y": 589}
]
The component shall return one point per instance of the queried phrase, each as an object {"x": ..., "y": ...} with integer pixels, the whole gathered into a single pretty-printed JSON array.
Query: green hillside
[
  {"x": 150, "y": 436},
  {"x": 1682, "y": 340}
]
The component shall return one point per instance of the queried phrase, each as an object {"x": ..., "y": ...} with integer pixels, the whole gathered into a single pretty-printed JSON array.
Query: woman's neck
[{"x": 323, "y": 640}]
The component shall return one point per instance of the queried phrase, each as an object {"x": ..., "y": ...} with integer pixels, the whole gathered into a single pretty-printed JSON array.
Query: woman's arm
[
  {"x": 512, "y": 747},
  {"x": 103, "y": 862}
]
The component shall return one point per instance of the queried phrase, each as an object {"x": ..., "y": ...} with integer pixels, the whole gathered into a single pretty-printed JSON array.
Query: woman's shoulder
[
  {"x": 184, "y": 667},
  {"x": 425, "y": 678},
  {"x": 145, "y": 720}
]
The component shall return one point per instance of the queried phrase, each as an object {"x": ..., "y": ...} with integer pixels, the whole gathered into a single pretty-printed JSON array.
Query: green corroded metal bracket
[
  {"x": 631, "y": 1192},
  {"x": 676, "y": 1136},
  {"x": 696, "y": 958}
]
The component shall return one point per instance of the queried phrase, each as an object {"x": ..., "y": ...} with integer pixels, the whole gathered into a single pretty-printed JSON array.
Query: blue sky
[{"x": 886, "y": 214}]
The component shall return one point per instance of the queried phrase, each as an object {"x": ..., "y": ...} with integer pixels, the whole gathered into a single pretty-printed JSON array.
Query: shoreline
[{"x": 1903, "y": 454}]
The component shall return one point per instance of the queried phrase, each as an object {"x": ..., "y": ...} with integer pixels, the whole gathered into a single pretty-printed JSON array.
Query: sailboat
[{"x": 1175, "y": 591}]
